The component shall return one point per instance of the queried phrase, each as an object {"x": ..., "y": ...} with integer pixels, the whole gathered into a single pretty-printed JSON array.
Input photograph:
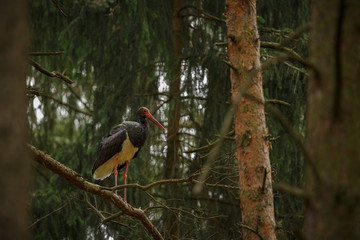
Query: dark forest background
[{"x": 120, "y": 56}]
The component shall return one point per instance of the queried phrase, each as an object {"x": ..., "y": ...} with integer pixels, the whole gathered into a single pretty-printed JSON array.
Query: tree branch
[
  {"x": 58, "y": 7},
  {"x": 79, "y": 97},
  {"x": 161, "y": 182},
  {"x": 211, "y": 145},
  {"x": 230, "y": 65},
  {"x": 297, "y": 140},
  {"x": 84, "y": 185},
  {"x": 278, "y": 46},
  {"x": 43, "y": 217},
  {"x": 276, "y": 101},
  {"x": 45, "y": 53},
  {"x": 251, "y": 230},
  {"x": 33, "y": 91},
  {"x": 201, "y": 14},
  {"x": 55, "y": 74},
  {"x": 294, "y": 191}
]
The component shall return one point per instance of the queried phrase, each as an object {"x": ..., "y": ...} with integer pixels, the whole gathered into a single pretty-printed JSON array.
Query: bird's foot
[
  {"x": 131, "y": 207},
  {"x": 128, "y": 204}
]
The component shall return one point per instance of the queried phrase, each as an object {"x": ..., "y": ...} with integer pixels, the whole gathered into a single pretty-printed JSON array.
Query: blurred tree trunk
[
  {"x": 256, "y": 197},
  {"x": 171, "y": 224},
  {"x": 333, "y": 210},
  {"x": 13, "y": 158}
]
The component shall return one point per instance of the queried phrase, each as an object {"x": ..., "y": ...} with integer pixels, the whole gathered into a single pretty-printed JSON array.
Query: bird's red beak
[{"x": 151, "y": 118}]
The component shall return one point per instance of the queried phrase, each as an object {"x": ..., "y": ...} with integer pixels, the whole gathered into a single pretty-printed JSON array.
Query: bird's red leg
[
  {"x": 116, "y": 173},
  {"x": 125, "y": 177}
]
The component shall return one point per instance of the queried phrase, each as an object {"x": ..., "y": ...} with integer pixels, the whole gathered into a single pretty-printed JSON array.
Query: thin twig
[
  {"x": 230, "y": 65},
  {"x": 58, "y": 7},
  {"x": 161, "y": 182},
  {"x": 201, "y": 14},
  {"x": 45, "y": 53},
  {"x": 93, "y": 207},
  {"x": 276, "y": 101},
  {"x": 212, "y": 145},
  {"x": 112, "y": 217},
  {"x": 294, "y": 191},
  {"x": 43, "y": 217},
  {"x": 79, "y": 98}
]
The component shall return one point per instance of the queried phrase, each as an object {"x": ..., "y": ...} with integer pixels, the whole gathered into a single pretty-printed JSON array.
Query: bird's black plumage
[{"x": 136, "y": 132}]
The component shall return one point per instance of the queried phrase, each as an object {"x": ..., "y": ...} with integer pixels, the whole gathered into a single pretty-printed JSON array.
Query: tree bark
[
  {"x": 171, "y": 224},
  {"x": 14, "y": 167},
  {"x": 256, "y": 196},
  {"x": 333, "y": 210}
]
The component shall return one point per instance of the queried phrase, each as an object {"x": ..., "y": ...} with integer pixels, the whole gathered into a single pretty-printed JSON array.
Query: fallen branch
[{"x": 98, "y": 190}]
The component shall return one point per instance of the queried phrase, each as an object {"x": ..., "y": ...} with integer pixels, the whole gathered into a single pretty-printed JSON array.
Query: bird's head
[{"x": 143, "y": 112}]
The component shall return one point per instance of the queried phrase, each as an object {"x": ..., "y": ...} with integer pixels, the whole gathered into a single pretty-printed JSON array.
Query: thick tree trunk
[
  {"x": 171, "y": 224},
  {"x": 256, "y": 196},
  {"x": 333, "y": 210},
  {"x": 14, "y": 165}
]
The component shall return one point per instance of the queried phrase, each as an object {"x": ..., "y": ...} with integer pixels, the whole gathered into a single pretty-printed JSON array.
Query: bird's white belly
[{"x": 127, "y": 153}]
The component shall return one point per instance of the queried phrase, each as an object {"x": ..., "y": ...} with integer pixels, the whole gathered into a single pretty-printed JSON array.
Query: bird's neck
[{"x": 144, "y": 122}]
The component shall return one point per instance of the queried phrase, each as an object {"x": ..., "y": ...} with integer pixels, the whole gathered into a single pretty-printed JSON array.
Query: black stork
[{"x": 121, "y": 145}]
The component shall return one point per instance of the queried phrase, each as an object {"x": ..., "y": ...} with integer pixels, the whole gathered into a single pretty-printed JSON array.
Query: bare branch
[
  {"x": 211, "y": 145},
  {"x": 294, "y": 191},
  {"x": 296, "y": 138},
  {"x": 296, "y": 68},
  {"x": 43, "y": 217},
  {"x": 276, "y": 101},
  {"x": 45, "y": 53},
  {"x": 58, "y": 7},
  {"x": 84, "y": 185},
  {"x": 79, "y": 97},
  {"x": 161, "y": 182},
  {"x": 278, "y": 46},
  {"x": 34, "y": 91},
  {"x": 55, "y": 74},
  {"x": 276, "y": 32},
  {"x": 251, "y": 230},
  {"x": 230, "y": 65},
  {"x": 201, "y": 14}
]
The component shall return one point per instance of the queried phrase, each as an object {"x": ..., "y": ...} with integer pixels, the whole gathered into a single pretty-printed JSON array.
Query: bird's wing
[{"x": 110, "y": 146}]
